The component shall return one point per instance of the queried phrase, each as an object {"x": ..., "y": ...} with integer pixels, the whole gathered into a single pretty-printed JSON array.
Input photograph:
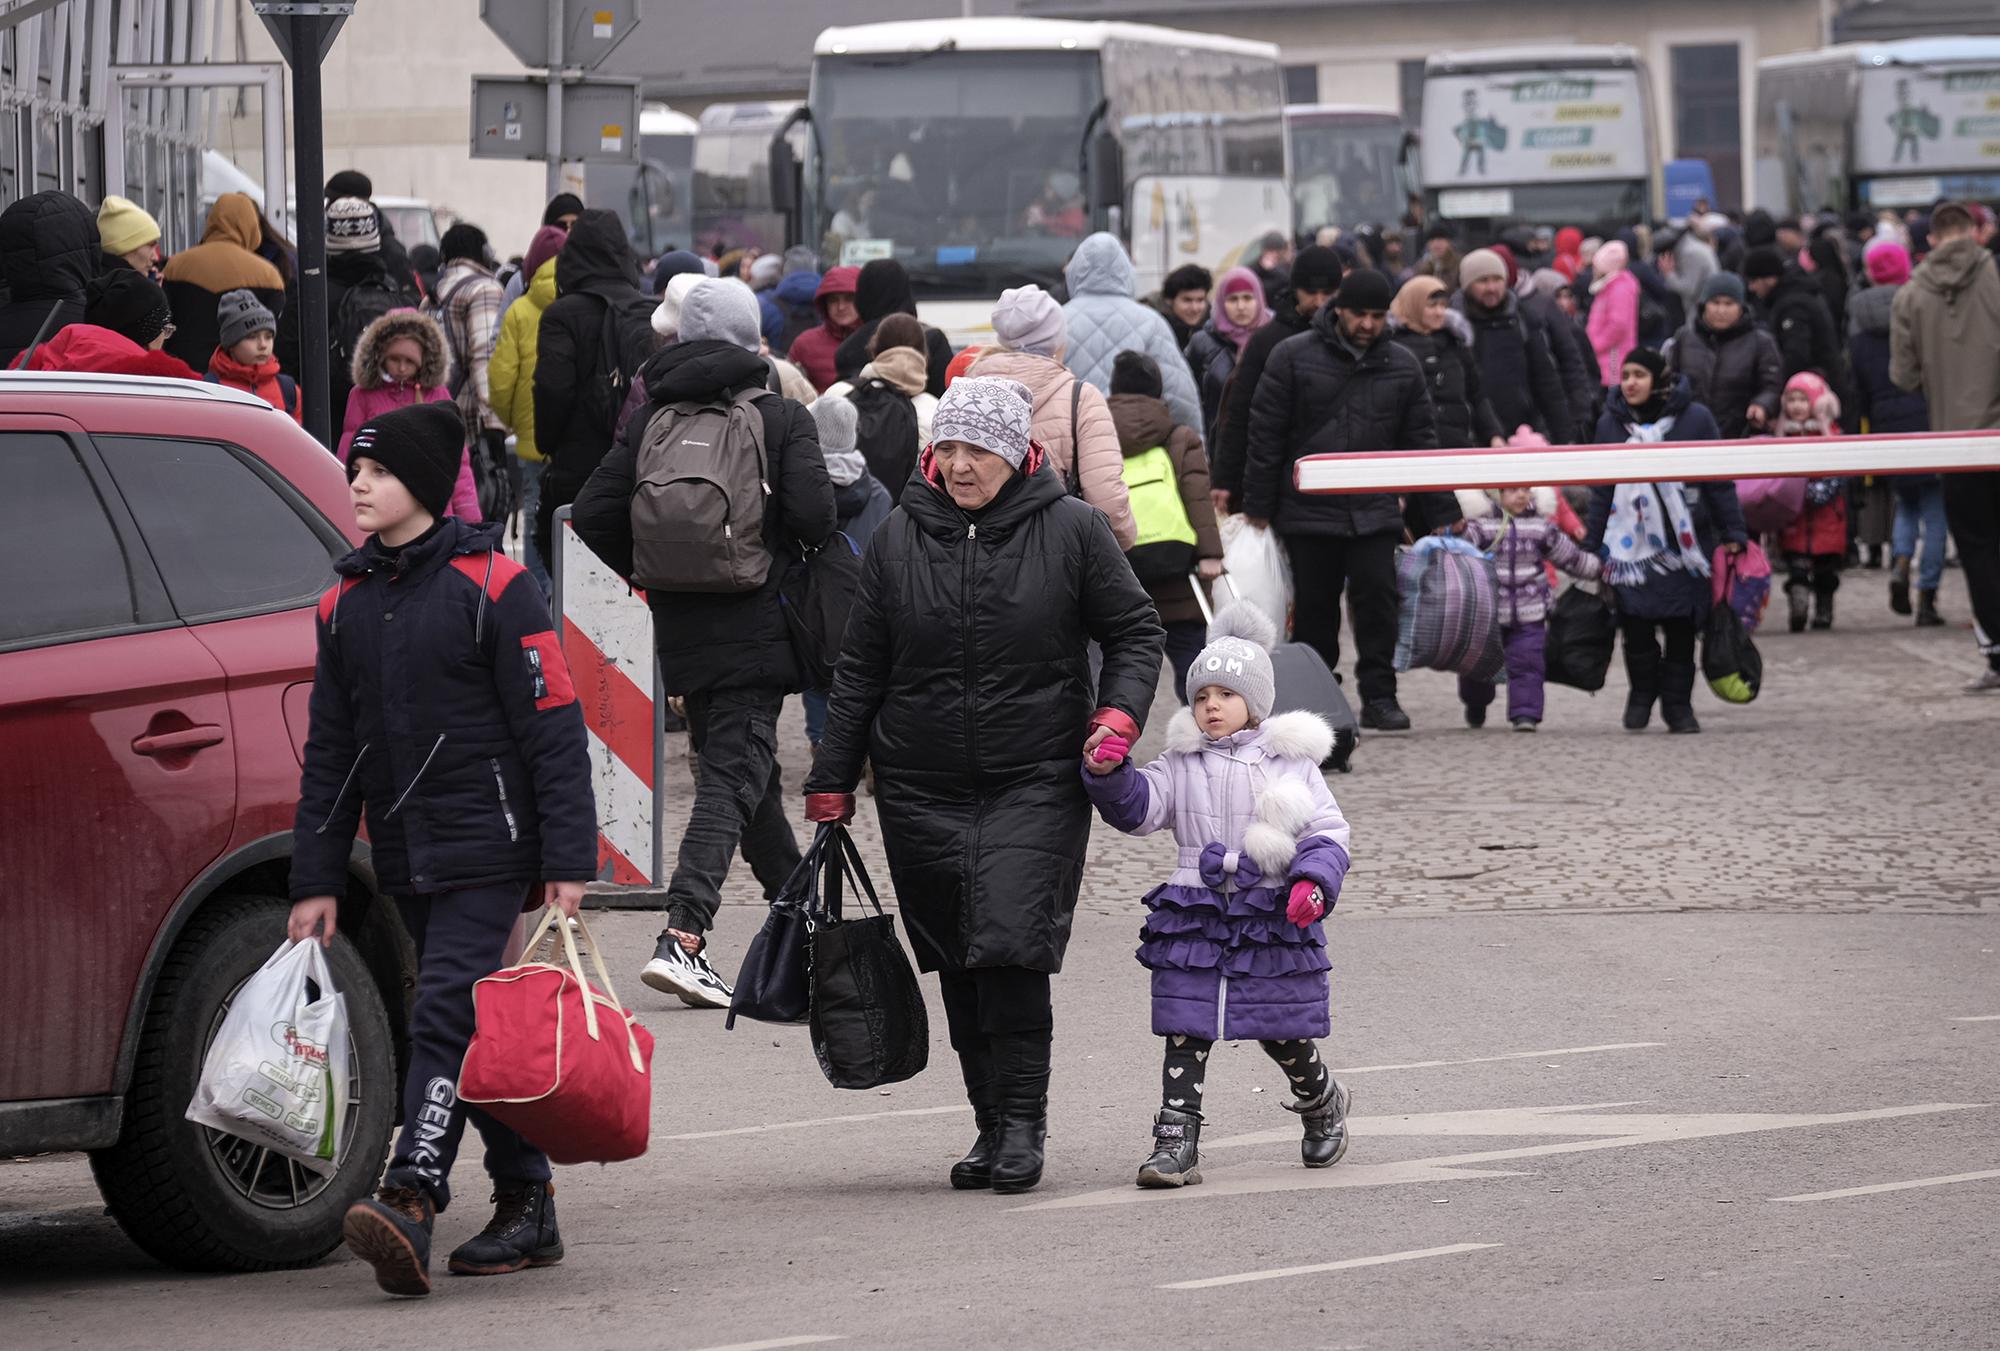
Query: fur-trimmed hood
[
  {"x": 1284, "y": 808},
  {"x": 1474, "y": 503},
  {"x": 367, "y": 365}
]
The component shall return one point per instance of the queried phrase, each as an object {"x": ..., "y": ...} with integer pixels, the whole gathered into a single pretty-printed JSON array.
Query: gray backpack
[{"x": 698, "y": 507}]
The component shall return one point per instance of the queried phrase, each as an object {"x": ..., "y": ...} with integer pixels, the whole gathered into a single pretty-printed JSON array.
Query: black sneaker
[
  {"x": 391, "y": 1232},
  {"x": 690, "y": 978},
  {"x": 1384, "y": 715},
  {"x": 521, "y": 1234},
  {"x": 1176, "y": 1157}
]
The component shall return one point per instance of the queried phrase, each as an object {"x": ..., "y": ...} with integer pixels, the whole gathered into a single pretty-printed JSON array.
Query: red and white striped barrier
[
  {"x": 1409, "y": 471},
  {"x": 607, "y": 638}
]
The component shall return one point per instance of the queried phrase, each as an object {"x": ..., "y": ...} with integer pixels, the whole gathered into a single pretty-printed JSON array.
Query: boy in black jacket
[{"x": 443, "y": 704}]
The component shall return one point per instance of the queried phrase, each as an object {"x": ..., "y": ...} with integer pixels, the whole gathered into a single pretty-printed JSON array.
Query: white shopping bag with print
[
  {"x": 1257, "y": 569},
  {"x": 277, "y": 1073}
]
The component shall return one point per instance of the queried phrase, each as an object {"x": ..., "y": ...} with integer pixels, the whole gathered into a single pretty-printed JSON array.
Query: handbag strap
[
  {"x": 1073, "y": 480},
  {"x": 858, "y": 870}
]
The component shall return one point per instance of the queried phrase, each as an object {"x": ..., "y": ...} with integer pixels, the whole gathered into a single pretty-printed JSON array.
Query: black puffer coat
[
  {"x": 965, "y": 680},
  {"x": 1229, "y": 449},
  {"x": 1800, "y": 322},
  {"x": 48, "y": 254},
  {"x": 1729, "y": 371},
  {"x": 1303, "y": 406},
  {"x": 740, "y": 639},
  {"x": 1517, "y": 368},
  {"x": 1464, "y": 415},
  {"x": 442, "y": 702}
]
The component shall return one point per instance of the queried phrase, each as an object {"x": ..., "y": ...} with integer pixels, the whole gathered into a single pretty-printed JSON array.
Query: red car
[{"x": 163, "y": 545}]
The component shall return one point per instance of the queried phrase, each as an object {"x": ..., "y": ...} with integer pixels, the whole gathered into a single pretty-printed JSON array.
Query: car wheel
[{"x": 197, "y": 1198}]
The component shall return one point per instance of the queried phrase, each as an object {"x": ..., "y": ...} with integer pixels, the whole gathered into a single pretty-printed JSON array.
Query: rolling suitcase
[{"x": 1304, "y": 682}]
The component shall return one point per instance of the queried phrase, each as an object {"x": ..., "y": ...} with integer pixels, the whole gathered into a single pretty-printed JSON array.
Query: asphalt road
[{"x": 1618, "y": 1012}]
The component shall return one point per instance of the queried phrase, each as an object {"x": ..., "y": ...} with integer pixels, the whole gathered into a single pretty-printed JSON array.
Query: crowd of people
[{"x": 1027, "y": 518}]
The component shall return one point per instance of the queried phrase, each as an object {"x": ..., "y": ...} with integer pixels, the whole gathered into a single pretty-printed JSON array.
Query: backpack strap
[
  {"x": 288, "y": 390},
  {"x": 1073, "y": 477}
]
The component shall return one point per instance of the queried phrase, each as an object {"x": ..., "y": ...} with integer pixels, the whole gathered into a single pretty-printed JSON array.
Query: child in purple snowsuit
[
  {"x": 1521, "y": 534},
  {"x": 1234, "y": 940}
]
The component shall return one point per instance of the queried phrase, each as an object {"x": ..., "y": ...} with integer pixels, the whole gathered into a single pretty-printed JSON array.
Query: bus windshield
[
  {"x": 962, "y": 166},
  {"x": 1346, "y": 173}
]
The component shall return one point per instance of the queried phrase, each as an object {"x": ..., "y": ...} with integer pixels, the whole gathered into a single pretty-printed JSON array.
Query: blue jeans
[
  {"x": 531, "y": 497},
  {"x": 1920, "y": 503},
  {"x": 816, "y": 703}
]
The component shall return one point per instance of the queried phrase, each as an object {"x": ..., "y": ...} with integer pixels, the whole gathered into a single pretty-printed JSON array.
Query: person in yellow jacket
[{"x": 510, "y": 375}]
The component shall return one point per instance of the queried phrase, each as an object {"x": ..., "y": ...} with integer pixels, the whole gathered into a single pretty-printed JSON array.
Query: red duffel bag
[{"x": 560, "y": 1061}]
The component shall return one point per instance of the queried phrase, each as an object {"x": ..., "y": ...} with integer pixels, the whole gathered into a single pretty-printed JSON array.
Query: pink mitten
[
  {"x": 1112, "y": 751},
  {"x": 1306, "y": 905}
]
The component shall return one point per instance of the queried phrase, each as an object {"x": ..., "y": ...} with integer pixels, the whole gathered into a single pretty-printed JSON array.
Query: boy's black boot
[
  {"x": 1176, "y": 1157},
  {"x": 1021, "y": 1082},
  {"x": 1927, "y": 610},
  {"x": 391, "y": 1232},
  {"x": 1899, "y": 585},
  {"x": 1677, "y": 696},
  {"x": 521, "y": 1234},
  {"x": 975, "y": 1170},
  {"x": 1325, "y": 1124}
]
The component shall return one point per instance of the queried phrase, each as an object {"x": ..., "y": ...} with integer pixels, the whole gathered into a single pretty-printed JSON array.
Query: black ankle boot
[
  {"x": 522, "y": 1233},
  {"x": 1642, "y": 669},
  {"x": 975, "y": 1170},
  {"x": 1798, "y": 597},
  {"x": 1927, "y": 610},
  {"x": 1677, "y": 696},
  {"x": 1822, "y": 610},
  {"x": 1021, "y": 1084},
  {"x": 1176, "y": 1157},
  {"x": 1899, "y": 585},
  {"x": 1325, "y": 1124}
]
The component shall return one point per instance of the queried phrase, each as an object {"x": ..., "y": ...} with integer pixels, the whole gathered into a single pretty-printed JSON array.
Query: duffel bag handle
[{"x": 553, "y": 916}]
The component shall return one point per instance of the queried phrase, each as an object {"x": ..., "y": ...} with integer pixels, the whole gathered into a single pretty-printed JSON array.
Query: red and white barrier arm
[{"x": 1410, "y": 471}]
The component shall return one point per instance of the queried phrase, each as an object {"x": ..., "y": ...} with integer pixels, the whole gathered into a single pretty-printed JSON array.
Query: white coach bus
[{"x": 978, "y": 152}]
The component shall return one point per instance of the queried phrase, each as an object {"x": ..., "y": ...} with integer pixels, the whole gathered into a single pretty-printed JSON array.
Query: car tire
[{"x": 161, "y": 1181}]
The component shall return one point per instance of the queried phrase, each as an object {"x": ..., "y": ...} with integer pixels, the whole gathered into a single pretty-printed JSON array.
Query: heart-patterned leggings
[{"x": 1186, "y": 1068}]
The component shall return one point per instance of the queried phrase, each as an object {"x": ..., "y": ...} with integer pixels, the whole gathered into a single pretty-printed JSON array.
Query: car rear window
[
  {"x": 66, "y": 568},
  {"x": 225, "y": 538}
]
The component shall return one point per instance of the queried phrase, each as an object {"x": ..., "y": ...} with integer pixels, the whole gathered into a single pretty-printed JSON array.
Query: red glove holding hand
[
  {"x": 1306, "y": 906},
  {"x": 823, "y": 807}
]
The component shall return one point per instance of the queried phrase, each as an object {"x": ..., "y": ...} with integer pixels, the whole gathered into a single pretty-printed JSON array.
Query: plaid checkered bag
[{"x": 1449, "y": 615}]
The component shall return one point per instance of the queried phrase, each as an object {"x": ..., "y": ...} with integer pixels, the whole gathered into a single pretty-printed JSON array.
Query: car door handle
[{"x": 179, "y": 742}]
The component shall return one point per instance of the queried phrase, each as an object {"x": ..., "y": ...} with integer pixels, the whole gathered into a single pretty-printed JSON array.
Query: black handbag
[
  {"x": 1582, "y": 634},
  {"x": 774, "y": 984},
  {"x": 817, "y": 594},
  {"x": 869, "y": 1026}
]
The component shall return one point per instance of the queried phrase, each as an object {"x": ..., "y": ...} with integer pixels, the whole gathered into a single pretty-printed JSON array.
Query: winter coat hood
[
  {"x": 48, "y": 247},
  {"x": 798, "y": 288},
  {"x": 86, "y": 347},
  {"x": 904, "y": 367},
  {"x": 233, "y": 220},
  {"x": 838, "y": 281},
  {"x": 1868, "y": 311},
  {"x": 882, "y": 288},
  {"x": 227, "y": 258},
  {"x": 1479, "y": 503},
  {"x": 1949, "y": 268},
  {"x": 1142, "y": 421},
  {"x": 700, "y": 370},
  {"x": 541, "y": 291},
  {"x": 597, "y": 252},
  {"x": 1101, "y": 267},
  {"x": 375, "y": 339}
]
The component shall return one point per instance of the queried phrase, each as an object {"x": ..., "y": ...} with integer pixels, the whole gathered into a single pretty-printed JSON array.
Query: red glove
[
  {"x": 821, "y": 807},
  {"x": 1306, "y": 907},
  {"x": 1112, "y": 750}
]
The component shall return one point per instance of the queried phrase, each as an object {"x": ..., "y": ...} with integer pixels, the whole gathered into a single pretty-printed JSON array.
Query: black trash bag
[
  {"x": 1582, "y": 635},
  {"x": 1729, "y": 660},
  {"x": 869, "y": 1026}
]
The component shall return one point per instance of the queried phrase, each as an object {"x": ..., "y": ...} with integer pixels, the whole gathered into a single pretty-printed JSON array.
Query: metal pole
[
  {"x": 311, "y": 154},
  {"x": 553, "y": 151}
]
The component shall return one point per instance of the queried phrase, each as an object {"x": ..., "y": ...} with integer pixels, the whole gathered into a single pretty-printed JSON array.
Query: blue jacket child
[{"x": 443, "y": 708}]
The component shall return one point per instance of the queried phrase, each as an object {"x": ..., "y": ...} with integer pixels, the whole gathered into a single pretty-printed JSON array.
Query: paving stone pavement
[{"x": 1859, "y": 781}]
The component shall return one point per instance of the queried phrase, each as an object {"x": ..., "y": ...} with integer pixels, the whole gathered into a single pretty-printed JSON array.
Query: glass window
[
  {"x": 66, "y": 568},
  {"x": 222, "y": 536},
  {"x": 1708, "y": 115},
  {"x": 1302, "y": 84}
]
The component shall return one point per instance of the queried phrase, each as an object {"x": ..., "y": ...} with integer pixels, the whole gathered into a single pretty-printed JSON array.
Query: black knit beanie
[
  {"x": 1316, "y": 269},
  {"x": 128, "y": 303},
  {"x": 1763, "y": 261},
  {"x": 422, "y": 445},
  {"x": 1648, "y": 359},
  {"x": 350, "y": 183},
  {"x": 560, "y": 205},
  {"x": 1136, "y": 373},
  {"x": 1364, "y": 289}
]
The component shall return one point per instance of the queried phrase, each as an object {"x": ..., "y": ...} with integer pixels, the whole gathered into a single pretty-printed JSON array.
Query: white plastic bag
[
  {"x": 277, "y": 1073},
  {"x": 1258, "y": 570}
]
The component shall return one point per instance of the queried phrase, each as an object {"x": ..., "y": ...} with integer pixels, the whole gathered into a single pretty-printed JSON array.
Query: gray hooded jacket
[{"x": 1104, "y": 319}]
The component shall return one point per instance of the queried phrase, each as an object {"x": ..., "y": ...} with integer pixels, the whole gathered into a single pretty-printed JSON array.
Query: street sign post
[
  {"x": 558, "y": 35},
  {"x": 599, "y": 119}
]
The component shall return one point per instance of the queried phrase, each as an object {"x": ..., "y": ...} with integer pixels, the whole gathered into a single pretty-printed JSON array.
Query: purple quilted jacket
[{"x": 1520, "y": 545}]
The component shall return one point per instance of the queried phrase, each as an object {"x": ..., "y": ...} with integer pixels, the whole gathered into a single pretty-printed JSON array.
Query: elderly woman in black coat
[{"x": 965, "y": 680}]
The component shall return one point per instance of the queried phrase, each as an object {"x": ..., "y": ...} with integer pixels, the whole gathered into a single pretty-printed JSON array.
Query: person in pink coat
[
  {"x": 1614, "y": 310},
  {"x": 400, "y": 360}
]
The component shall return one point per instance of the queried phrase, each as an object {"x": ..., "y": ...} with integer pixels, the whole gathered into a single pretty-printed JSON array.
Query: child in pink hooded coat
[
  {"x": 1815, "y": 544},
  {"x": 1614, "y": 310},
  {"x": 400, "y": 360}
]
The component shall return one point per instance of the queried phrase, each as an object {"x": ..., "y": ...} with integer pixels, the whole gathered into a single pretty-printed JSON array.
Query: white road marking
[
  {"x": 818, "y": 1121},
  {"x": 774, "y": 1343},
  {"x": 1511, "y": 1055},
  {"x": 1979, "y": 1018},
  {"x": 1279, "y": 1273},
  {"x": 1611, "y": 1132},
  {"x": 1892, "y": 1186}
]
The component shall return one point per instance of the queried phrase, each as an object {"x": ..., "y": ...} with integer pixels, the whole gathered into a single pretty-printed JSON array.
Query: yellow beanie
[{"x": 123, "y": 226}]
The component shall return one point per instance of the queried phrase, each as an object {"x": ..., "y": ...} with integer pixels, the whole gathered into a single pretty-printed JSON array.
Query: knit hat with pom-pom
[{"x": 1238, "y": 657}]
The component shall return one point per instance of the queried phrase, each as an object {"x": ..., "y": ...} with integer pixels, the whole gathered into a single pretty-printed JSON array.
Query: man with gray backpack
[{"x": 713, "y": 491}]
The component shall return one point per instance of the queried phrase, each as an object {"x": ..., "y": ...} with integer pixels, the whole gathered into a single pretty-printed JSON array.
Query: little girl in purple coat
[{"x": 1234, "y": 939}]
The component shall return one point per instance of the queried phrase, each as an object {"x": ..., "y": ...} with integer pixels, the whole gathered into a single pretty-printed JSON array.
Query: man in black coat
[
  {"x": 1315, "y": 277},
  {"x": 1517, "y": 366},
  {"x": 1791, "y": 306},
  {"x": 48, "y": 254},
  {"x": 1343, "y": 386},
  {"x": 580, "y": 386},
  {"x": 729, "y": 654}
]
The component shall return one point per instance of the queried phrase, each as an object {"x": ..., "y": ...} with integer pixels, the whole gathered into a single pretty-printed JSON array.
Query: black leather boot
[
  {"x": 1325, "y": 1124},
  {"x": 1798, "y": 598},
  {"x": 1642, "y": 670},
  {"x": 1927, "y": 610},
  {"x": 1822, "y": 617},
  {"x": 1677, "y": 696},
  {"x": 522, "y": 1233},
  {"x": 1899, "y": 585},
  {"x": 1021, "y": 1082},
  {"x": 975, "y": 1170},
  {"x": 1176, "y": 1157}
]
